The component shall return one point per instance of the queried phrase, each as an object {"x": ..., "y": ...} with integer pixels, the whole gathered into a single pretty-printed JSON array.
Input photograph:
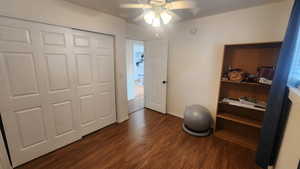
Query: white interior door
[{"x": 156, "y": 59}]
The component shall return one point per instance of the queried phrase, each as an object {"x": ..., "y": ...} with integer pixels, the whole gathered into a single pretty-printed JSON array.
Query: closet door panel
[
  {"x": 87, "y": 110},
  {"x": 14, "y": 33},
  {"x": 81, "y": 40},
  {"x": 82, "y": 51},
  {"x": 84, "y": 68},
  {"x": 58, "y": 66},
  {"x": 31, "y": 134},
  {"x": 104, "y": 70},
  {"x": 23, "y": 106},
  {"x": 95, "y": 80},
  {"x": 63, "y": 118},
  {"x": 22, "y": 79},
  {"x": 104, "y": 79}
]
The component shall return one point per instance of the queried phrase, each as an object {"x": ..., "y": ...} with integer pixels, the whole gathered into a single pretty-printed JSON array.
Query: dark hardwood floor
[{"x": 149, "y": 140}]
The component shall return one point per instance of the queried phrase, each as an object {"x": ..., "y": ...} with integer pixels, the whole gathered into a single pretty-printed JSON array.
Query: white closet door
[
  {"x": 104, "y": 79},
  {"x": 57, "y": 66},
  {"x": 57, "y": 85},
  {"x": 95, "y": 80},
  {"x": 23, "y": 103}
]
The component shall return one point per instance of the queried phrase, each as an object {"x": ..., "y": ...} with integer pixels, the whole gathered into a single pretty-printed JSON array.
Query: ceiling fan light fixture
[
  {"x": 165, "y": 17},
  {"x": 158, "y": 12},
  {"x": 149, "y": 17},
  {"x": 156, "y": 21}
]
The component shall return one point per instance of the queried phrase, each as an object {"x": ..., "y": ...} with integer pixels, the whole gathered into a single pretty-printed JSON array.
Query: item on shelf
[
  {"x": 253, "y": 101},
  {"x": 265, "y": 74},
  {"x": 238, "y": 103},
  {"x": 251, "y": 78},
  {"x": 236, "y": 75},
  {"x": 225, "y": 73},
  {"x": 265, "y": 81},
  {"x": 248, "y": 100},
  {"x": 224, "y": 78}
]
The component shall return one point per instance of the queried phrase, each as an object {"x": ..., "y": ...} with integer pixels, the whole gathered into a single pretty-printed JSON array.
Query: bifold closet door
[
  {"x": 38, "y": 97},
  {"x": 57, "y": 64},
  {"x": 24, "y": 107},
  {"x": 57, "y": 85},
  {"x": 95, "y": 80}
]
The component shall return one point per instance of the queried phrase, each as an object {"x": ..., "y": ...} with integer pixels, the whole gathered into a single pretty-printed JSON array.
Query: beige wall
[
  {"x": 289, "y": 154},
  {"x": 137, "y": 32},
  {"x": 195, "y": 58},
  {"x": 145, "y": 32},
  {"x": 59, "y": 12}
]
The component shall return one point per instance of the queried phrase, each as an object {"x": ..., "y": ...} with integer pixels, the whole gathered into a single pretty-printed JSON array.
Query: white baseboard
[
  {"x": 176, "y": 114},
  {"x": 123, "y": 118},
  {"x": 135, "y": 104}
]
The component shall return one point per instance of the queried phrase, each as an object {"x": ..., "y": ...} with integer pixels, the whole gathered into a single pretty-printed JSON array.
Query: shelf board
[
  {"x": 232, "y": 137},
  {"x": 244, "y": 106},
  {"x": 241, "y": 120},
  {"x": 246, "y": 83}
]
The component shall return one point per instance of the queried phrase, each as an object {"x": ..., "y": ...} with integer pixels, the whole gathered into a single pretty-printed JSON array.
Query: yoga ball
[{"x": 197, "y": 120}]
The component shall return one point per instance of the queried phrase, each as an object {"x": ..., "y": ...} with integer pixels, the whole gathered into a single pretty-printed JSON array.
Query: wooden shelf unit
[
  {"x": 236, "y": 123},
  {"x": 236, "y": 139},
  {"x": 241, "y": 120},
  {"x": 246, "y": 83}
]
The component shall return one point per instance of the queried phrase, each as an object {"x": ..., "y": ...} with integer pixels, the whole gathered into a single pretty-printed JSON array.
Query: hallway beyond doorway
[{"x": 135, "y": 75}]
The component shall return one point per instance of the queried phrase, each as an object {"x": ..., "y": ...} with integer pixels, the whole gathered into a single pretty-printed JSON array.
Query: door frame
[{"x": 129, "y": 51}]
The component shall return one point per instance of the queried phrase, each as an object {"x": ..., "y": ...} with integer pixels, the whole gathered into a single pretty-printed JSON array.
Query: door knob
[{"x": 164, "y": 82}]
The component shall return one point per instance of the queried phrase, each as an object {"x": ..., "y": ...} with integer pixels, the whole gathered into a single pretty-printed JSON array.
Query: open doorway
[{"x": 135, "y": 74}]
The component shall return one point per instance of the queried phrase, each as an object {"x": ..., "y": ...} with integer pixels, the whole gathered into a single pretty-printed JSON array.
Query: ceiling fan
[{"x": 156, "y": 11}]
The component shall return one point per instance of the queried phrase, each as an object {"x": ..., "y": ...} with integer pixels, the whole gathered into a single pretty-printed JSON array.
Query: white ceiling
[{"x": 205, "y": 7}]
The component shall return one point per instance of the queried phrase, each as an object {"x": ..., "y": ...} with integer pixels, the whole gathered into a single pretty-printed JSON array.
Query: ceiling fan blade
[
  {"x": 187, "y": 4},
  {"x": 175, "y": 16},
  {"x": 144, "y": 6},
  {"x": 139, "y": 18}
]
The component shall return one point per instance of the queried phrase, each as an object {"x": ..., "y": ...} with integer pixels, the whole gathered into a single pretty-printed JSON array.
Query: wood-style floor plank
[{"x": 149, "y": 140}]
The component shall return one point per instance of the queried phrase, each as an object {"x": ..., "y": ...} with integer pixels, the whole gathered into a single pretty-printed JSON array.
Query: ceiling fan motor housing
[{"x": 157, "y": 2}]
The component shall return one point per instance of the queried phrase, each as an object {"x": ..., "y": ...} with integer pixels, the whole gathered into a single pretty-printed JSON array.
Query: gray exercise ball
[{"x": 197, "y": 120}]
